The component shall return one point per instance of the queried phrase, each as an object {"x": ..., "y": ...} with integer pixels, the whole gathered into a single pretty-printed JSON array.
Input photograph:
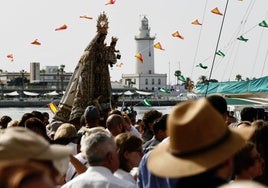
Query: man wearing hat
[
  {"x": 200, "y": 147},
  {"x": 92, "y": 116},
  {"x": 22, "y": 144}
]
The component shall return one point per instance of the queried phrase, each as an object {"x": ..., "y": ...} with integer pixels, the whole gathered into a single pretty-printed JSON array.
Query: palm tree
[
  {"x": 61, "y": 70},
  {"x": 177, "y": 74},
  {"x": 238, "y": 77}
]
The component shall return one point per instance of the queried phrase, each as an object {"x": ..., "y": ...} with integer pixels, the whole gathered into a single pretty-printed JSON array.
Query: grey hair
[{"x": 97, "y": 145}]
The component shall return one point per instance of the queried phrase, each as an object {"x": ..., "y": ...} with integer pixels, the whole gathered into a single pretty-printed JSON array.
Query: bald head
[{"x": 115, "y": 123}]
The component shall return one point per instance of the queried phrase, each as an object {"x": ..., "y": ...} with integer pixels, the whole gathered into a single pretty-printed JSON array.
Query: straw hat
[
  {"x": 199, "y": 140},
  {"x": 19, "y": 143}
]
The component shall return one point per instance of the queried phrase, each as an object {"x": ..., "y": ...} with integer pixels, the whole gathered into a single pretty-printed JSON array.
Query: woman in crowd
[
  {"x": 248, "y": 163},
  {"x": 130, "y": 154}
]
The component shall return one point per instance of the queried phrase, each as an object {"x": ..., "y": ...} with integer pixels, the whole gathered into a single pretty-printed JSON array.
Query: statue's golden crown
[{"x": 102, "y": 24}]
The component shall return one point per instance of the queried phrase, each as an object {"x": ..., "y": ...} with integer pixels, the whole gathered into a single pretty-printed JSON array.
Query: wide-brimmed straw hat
[
  {"x": 199, "y": 140},
  {"x": 19, "y": 143}
]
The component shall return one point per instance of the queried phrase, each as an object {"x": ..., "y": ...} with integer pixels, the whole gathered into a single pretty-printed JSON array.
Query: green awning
[{"x": 236, "y": 101}]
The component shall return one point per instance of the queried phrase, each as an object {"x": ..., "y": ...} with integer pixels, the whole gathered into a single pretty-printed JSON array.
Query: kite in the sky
[
  {"x": 36, "y": 42},
  {"x": 63, "y": 27},
  {"x": 202, "y": 66},
  {"x": 220, "y": 53},
  {"x": 110, "y": 2},
  {"x": 216, "y": 11},
  {"x": 263, "y": 24},
  {"x": 158, "y": 46},
  {"x": 242, "y": 39},
  {"x": 86, "y": 17},
  {"x": 139, "y": 57},
  {"x": 196, "y": 22},
  {"x": 177, "y": 34},
  {"x": 10, "y": 57}
]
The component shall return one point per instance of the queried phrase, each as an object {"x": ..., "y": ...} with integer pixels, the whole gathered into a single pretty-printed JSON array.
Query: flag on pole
[
  {"x": 146, "y": 102},
  {"x": 52, "y": 106},
  {"x": 220, "y": 53},
  {"x": 164, "y": 90}
]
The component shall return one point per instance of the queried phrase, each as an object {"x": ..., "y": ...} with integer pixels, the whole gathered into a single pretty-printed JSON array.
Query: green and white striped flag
[
  {"x": 146, "y": 102},
  {"x": 164, "y": 90}
]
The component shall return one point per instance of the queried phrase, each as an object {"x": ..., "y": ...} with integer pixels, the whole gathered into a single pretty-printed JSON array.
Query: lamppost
[{"x": 22, "y": 82}]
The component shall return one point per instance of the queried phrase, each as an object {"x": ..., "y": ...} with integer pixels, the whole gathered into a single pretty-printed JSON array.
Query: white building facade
[{"x": 145, "y": 77}]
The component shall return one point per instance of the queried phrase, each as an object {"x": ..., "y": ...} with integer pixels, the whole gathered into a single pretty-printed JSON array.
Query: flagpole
[{"x": 216, "y": 49}]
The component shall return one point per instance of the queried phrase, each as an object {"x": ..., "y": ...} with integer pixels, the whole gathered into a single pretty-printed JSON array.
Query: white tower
[
  {"x": 145, "y": 78},
  {"x": 145, "y": 46}
]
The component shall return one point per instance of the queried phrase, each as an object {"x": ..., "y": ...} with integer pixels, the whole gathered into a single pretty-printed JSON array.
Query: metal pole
[{"x": 216, "y": 49}]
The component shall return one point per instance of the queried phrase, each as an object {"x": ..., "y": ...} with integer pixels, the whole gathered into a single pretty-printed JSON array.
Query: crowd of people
[{"x": 198, "y": 144}]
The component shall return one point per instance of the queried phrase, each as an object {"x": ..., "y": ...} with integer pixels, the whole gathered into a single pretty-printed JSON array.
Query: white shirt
[
  {"x": 134, "y": 131},
  {"x": 123, "y": 175},
  {"x": 97, "y": 177},
  {"x": 71, "y": 172}
]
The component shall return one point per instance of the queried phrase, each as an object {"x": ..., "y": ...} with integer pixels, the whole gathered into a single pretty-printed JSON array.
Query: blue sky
[{"x": 24, "y": 21}]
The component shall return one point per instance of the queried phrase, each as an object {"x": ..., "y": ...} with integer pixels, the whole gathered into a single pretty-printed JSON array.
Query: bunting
[
  {"x": 36, "y": 42},
  {"x": 182, "y": 78},
  {"x": 52, "y": 106},
  {"x": 263, "y": 24},
  {"x": 110, "y": 2},
  {"x": 86, "y": 17},
  {"x": 146, "y": 102},
  {"x": 158, "y": 46},
  {"x": 196, "y": 22},
  {"x": 10, "y": 57},
  {"x": 216, "y": 11},
  {"x": 63, "y": 27},
  {"x": 242, "y": 39},
  {"x": 164, "y": 90},
  {"x": 202, "y": 66},
  {"x": 139, "y": 57},
  {"x": 177, "y": 34},
  {"x": 220, "y": 53}
]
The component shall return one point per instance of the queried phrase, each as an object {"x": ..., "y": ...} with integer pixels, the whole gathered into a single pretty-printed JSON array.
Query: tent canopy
[
  {"x": 14, "y": 93},
  {"x": 30, "y": 93},
  {"x": 52, "y": 93}
]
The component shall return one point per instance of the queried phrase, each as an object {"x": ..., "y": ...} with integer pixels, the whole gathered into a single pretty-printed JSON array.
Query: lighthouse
[
  {"x": 145, "y": 47},
  {"x": 145, "y": 78}
]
